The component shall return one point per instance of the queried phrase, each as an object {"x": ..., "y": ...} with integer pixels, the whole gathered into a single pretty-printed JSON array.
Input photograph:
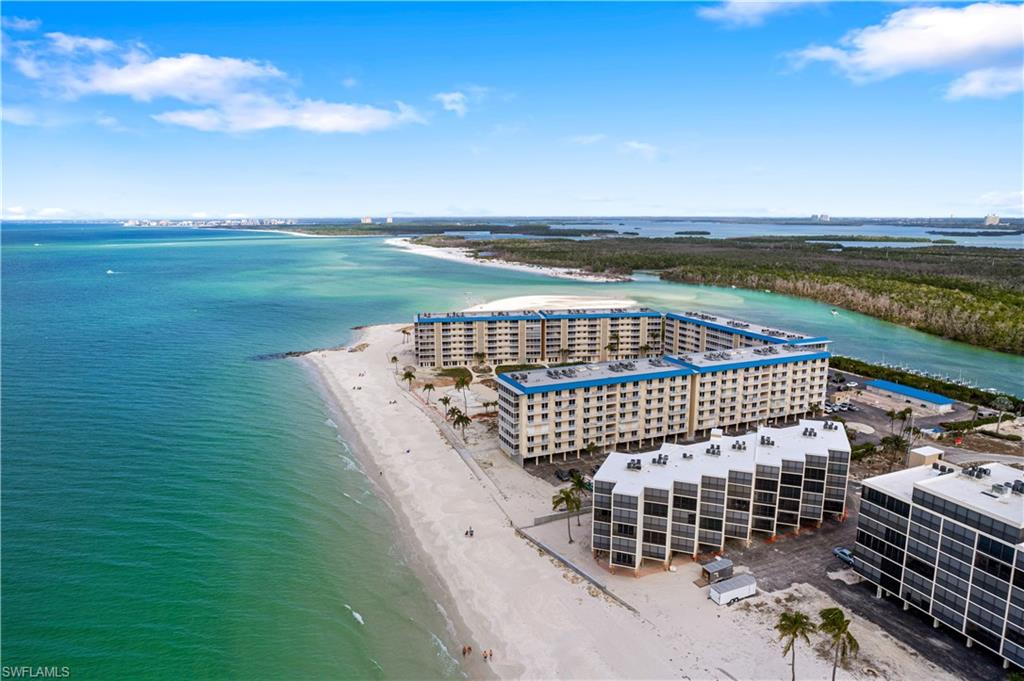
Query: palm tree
[
  {"x": 974, "y": 415},
  {"x": 428, "y": 388},
  {"x": 613, "y": 346},
  {"x": 409, "y": 376},
  {"x": 445, "y": 401},
  {"x": 793, "y": 625},
  {"x": 461, "y": 383},
  {"x": 461, "y": 421},
  {"x": 563, "y": 354},
  {"x": 579, "y": 487},
  {"x": 645, "y": 349},
  {"x": 567, "y": 499},
  {"x": 394, "y": 361},
  {"x": 405, "y": 335},
  {"x": 837, "y": 628},
  {"x": 453, "y": 412},
  {"x": 1002, "y": 404},
  {"x": 479, "y": 356}
]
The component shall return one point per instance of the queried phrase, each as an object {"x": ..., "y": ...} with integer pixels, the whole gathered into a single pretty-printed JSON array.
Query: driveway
[{"x": 808, "y": 558}]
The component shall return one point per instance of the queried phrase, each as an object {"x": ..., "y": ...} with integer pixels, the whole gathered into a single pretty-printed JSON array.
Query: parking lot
[{"x": 807, "y": 558}]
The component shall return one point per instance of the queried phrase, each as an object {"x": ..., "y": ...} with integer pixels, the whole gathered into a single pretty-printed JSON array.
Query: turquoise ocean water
[{"x": 174, "y": 508}]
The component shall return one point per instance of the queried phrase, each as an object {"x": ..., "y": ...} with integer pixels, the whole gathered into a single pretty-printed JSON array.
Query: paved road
[
  {"x": 958, "y": 456},
  {"x": 808, "y": 558}
]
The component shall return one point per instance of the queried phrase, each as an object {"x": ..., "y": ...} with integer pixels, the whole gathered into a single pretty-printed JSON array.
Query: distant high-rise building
[
  {"x": 821, "y": 218},
  {"x": 991, "y": 219},
  {"x": 389, "y": 220},
  {"x": 367, "y": 221}
]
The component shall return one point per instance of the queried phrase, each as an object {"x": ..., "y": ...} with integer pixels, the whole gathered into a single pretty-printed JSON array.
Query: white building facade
[
  {"x": 562, "y": 413},
  {"x": 688, "y": 499},
  {"x": 950, "y": 542}
]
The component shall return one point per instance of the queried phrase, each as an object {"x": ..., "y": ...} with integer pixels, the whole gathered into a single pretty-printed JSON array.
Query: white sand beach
[
  {"x": 541, "y": 619},
  {"x": 552, "y": 302},
  {"x": 462, "y": 255}
]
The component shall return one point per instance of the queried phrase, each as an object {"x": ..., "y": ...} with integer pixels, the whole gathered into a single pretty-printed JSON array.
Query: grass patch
[
  {"x": 457, "y": 373},
  {"x": 506, "y": 368}
]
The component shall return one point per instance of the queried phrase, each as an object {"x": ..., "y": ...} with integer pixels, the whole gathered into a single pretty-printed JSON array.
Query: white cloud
[
  {"x": 188, "y": 77},
  {"x": 228, "y": 94},
  {"x": 642, "y": 149},
  {"x": 248, "y": 114},
  {"x": 740, "y": 13},
  {"x": 992, "y": 83},
  {"x": 350, "y": 82},
  {"x": 453, "y": 101},
  {"x": 20, "y": 24},
  {"x": 51, "y": 212},
  {"x": 17, "y": 115},
  {"x": 1009, "y": 201},
  {"x": 984, "y": 40},
  {"x": 62, "y": 42},
  {"x": 588, "y": 139}
]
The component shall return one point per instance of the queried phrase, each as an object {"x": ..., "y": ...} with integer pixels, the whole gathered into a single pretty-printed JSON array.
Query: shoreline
[
  {"x": 462, "y": 255},
  {"x": 456, "y": 628},
  {"x": 500, "y": 591}
]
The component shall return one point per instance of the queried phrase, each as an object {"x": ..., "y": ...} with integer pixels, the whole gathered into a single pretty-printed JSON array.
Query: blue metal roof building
[{"x": 926, "y": 398}]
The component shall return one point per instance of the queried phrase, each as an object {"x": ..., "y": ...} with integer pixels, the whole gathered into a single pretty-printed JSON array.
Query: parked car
[
  {"x": 573, "y": 472},
  {"x": 562, "y": 475},
  {"x": 844, "y": 554},
  {"x": 844, "y": 407},
  {"x": 852, "y": 384}
]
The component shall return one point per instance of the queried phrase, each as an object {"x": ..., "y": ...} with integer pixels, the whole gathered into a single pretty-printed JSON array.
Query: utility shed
[
  {"x": 716, "y": 570},
  {"x": 923, "y": 456}
]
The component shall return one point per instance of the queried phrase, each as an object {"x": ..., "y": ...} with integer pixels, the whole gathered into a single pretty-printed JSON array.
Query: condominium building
[
  {"x": 702, "y": 332},
  {"x": 462, "y": 338},
  {"x": 563, "y": 412},
  {"x": 686, "y": 499},
  {"x": 601, "y": 335},
  {"x": 949, "y": 541},
  {"x": 536, "y": 336}
]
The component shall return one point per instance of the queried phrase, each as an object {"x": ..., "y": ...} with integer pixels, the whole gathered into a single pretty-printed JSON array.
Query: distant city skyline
[{"x": 259, "y": 110}]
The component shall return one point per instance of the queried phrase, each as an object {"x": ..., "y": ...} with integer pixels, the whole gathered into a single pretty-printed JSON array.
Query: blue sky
[{"x": 266, "y": 109}]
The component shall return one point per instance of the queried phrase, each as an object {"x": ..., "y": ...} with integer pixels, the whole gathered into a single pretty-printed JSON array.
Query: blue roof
[
  {"x": 809, "y": 341},
  {"x": 470, "y": 317},
  {"x": 610, "y": 380},
  {"x": 601, "y": 315},
  {"x": 916, "y": 393},
  {"x": 724, "y": 327},
  {"x": 759, "y": 362}
]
